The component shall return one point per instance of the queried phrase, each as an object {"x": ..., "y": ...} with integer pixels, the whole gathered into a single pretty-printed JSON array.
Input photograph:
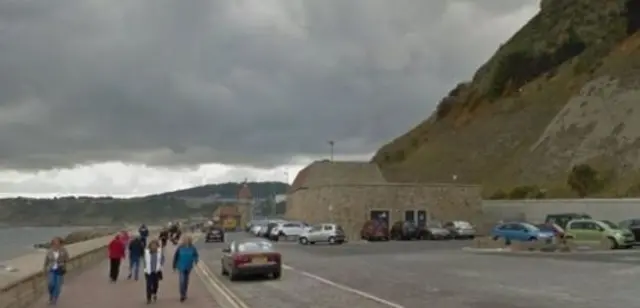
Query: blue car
[{"x": 521, "y": 232}]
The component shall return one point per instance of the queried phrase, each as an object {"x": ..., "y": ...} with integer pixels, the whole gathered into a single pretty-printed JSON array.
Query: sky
[{"x": 124, "y": 98}]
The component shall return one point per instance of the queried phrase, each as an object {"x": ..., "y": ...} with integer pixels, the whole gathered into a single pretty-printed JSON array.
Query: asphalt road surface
[{"x": 435, "y": 274}]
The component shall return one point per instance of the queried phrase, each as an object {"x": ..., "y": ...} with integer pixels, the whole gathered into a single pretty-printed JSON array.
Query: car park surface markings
[{"x": 345, "y": 288}]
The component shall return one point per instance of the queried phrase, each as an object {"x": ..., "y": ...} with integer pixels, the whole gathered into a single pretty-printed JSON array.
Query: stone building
[
  {"x": 236, "y": 214},
  {"x": 350, "y": 193}
]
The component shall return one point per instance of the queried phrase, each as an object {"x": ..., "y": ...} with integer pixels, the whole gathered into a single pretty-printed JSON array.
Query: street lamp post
[{"x": 331, "y": 175}]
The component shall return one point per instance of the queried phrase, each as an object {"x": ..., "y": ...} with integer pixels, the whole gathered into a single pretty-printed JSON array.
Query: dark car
[
  {"x": 268, "y": 229},
  {"x": 632, "y": 225},
  {"x": 406, "y": 230},
  {"x": 251, "y": 257},
  {"x": 214, "y": 234},
  {"x": 374, "y": 230}
]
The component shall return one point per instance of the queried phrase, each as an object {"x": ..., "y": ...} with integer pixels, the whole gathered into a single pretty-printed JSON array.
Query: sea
[{"x": 15, "y": 242}]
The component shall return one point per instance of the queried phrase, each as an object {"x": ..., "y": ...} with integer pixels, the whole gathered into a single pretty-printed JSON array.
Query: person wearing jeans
[
  {"x": 153, "y": 262},
  {"x": 136, "y": 252},
  {"x": 185, "y": 257},
  {"x": 55, "y": 267}
]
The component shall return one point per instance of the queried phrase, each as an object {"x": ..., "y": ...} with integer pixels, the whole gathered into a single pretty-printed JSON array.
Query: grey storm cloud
[{"x": 254, "y": 83}]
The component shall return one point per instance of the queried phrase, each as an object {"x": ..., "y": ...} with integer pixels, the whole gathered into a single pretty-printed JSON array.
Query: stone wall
[
  {"x": 351, "y": 204},
  {"x": 536, "y": 210}
]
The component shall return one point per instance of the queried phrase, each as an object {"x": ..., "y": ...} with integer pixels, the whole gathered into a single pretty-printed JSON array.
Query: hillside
[
  {"x": 562, "y": 92},
  {"x": 195, "y": 201}
]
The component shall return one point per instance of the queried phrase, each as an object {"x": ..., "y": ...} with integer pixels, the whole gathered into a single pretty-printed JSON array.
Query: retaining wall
[{"x": 535, "y": 210}]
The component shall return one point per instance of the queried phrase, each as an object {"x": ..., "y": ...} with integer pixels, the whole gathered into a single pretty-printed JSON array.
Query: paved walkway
[{"x": 92, "y": 288}]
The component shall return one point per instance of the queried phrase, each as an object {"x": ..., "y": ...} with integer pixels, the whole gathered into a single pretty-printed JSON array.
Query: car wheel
[
  {"x": 232, "y": 275},
  {"x": 612, "y": 243},
  {"x": 223, "y": 271},
  {"x": 277, "y": 274},
  {"x": 532, "y": 239},
  {"x": 332, "y": 240},
  {"x": 304, "y": 241}
]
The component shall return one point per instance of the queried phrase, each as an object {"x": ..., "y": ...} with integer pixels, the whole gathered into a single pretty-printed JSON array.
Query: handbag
[{"x": 61, "y": 270}]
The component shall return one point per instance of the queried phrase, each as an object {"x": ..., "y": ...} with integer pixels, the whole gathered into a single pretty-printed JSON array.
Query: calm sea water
[{"x": 15, "y": 242}]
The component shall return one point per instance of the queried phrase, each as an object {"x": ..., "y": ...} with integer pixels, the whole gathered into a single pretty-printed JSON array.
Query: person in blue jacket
[
  {"x": 185, "y": 257},
  {"x": 144, "y": 234},
  {"x": 136, "y": 252}
]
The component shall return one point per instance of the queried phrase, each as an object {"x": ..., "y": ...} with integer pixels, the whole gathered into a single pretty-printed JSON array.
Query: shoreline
[{"x": 20, "y": 241}]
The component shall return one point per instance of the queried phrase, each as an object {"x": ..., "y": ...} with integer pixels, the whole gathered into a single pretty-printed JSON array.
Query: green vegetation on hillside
[
  {"x": 484, "y": 130},
  {"x": 196, "y": 201}
]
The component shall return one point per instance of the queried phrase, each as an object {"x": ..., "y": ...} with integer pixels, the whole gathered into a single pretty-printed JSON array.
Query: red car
[
  {"x": 374, "y": 230},
  {"x": 251, "y": 257}
]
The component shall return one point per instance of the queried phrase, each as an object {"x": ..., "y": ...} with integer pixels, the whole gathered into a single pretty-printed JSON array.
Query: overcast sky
[{"x": 132, "y": 97}]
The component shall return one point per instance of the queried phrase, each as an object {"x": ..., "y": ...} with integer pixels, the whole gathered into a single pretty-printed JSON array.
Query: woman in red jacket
[{"x": 117, "y": 250}]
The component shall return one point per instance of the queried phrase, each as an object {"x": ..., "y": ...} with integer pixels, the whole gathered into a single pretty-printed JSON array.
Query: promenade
[{"x": 92, "y": 288}]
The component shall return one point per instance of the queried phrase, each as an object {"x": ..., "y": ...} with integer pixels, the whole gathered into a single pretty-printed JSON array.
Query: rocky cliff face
[{"x": 562, "y": 91}]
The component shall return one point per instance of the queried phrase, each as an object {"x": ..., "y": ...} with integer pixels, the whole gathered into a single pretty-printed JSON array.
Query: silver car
[
  {"x": 460, "y": 229},
  {"x": 323, "y": 233}
]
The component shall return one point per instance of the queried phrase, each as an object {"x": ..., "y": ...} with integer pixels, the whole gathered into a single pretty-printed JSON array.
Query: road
[{"x": 438, "y": 274}]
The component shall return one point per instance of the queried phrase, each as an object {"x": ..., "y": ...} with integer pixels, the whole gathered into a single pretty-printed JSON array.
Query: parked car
[
  {"x": 251, "y": 257},
  {"x": 255, "y": 229},
  {"x": 374, "y": 230},
  {"x": 214, "y": 234},
  {"x": 596, "y": 231},
  {"x": 561, "y": 219},
  {"x": 323, "y": 233},
  {"x": 553, "y": 228},
  {"x": 520, "y": 231},
  {"x": 632, "y": 225},
  {"x": 436, "y": 231},
  {"x": 460, "y": 229},
  {"x": 287, "y": 229},
  {"x": 251, "y": 224},
  {"x": 406, "y": 230}
]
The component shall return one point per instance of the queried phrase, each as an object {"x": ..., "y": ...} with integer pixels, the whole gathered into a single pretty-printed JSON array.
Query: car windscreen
[
  {"x": 545, "y": 228},
  {"x": 463, "y": 225},
  {"x": 409, "y": 225},
  {"x": 255, "y": 247},
  {"x": 529, "y": 226},
  {"x": 610, "y": 224}
]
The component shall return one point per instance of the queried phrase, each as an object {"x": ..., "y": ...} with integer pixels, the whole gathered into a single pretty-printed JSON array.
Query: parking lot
[{"x": 440, "y": 274}]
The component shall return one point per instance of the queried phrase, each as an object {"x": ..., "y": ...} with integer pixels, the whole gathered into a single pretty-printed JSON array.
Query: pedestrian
[
  {"x": 55, "y": 262},
  {"x": 164, "y": 237},
  {"x": 185, "y": 257},
  {"x": 136, "y": 252},
  {"x": 153, "y": 262},
  {"x": 143, "y": 232},
  {"x": 117, "y": 250}
]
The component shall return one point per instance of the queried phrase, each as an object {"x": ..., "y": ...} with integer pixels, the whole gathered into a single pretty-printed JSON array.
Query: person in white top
[
  {"x": 153, "y": 262},
  {"x": 55, "y": 262}
]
